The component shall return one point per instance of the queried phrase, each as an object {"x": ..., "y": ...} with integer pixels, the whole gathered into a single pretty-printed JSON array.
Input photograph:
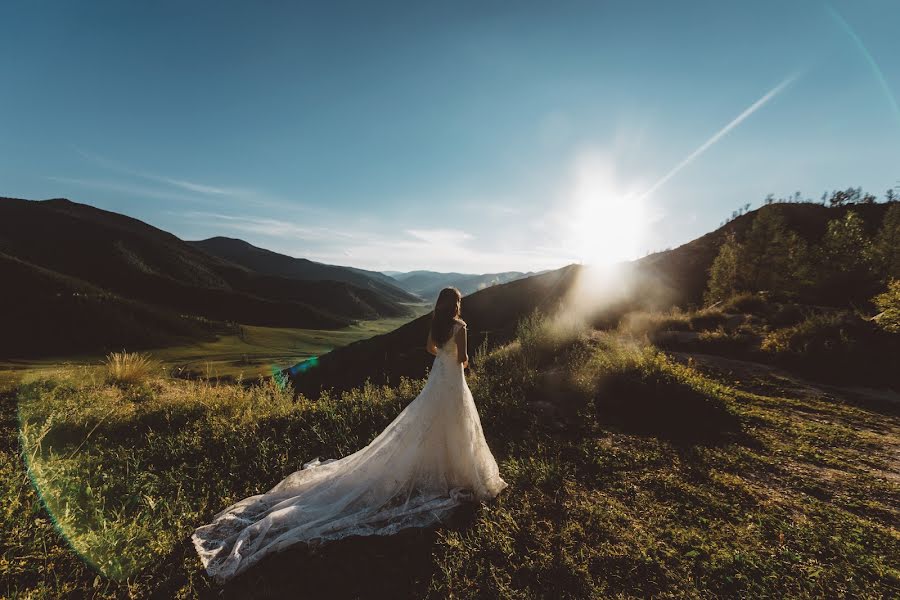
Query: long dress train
[{"x": 429, "y": 460}]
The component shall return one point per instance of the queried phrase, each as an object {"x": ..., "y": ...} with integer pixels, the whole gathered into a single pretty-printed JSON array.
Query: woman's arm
[
  {"x": 430, "y": 347},
  {"x": 462, "y": 349}
]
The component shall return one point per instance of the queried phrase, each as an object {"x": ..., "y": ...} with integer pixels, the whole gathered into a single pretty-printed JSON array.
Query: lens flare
[{"x": 283, "y": 377}]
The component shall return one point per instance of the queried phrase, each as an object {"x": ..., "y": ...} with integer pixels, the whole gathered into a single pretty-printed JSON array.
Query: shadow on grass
[
  {"x": 395, "y": 566},
  {"x": 667, "y": 409}
]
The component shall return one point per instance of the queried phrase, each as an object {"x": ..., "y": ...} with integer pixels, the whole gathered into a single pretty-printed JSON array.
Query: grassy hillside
[
  {"x": 680, "y": 275},
  {"x": 493, "y": 313},
  {"x": 243, "y": 353},
  {"x": 153, "y": 282},
  {"x": 47, "y": 313},
  {"x": 827, "y": 344},
  {"x": 631, "y": 474},
  {"x": 675, "y": 278},
  {"x": 258, "y": 351}
]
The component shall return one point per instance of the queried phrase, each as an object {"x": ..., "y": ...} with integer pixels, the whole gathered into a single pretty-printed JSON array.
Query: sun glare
[{"x": 607, "y": 220}]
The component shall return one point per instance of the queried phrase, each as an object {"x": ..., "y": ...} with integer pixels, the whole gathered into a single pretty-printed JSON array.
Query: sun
[{"x": 607, "y": 220}]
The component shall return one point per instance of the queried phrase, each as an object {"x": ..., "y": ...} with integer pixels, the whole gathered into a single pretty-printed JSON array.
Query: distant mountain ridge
[
  {"x": 63, "y": 262},
  {"x": 267, "y": 262},
  {"x": 77, "y": 278},
  {"x": 427, "y": 284}
]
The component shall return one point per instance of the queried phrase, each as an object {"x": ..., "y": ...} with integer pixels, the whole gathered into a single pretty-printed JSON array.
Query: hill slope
[
  {"x": 49, "y": 314},
  {"x": 427, "y": 284},
  {"x": 130, "y": 260},
  {"x": 659, "y": 281},
  {"x": 681, "y": 273},
  {"x": 630, "y": 475},
  {"x": 493, "y": 312},
  {"x": 267, "y": 262}
]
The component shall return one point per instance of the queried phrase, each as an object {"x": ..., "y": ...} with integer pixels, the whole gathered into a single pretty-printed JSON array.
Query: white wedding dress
[{"x": 429, "y": 460}]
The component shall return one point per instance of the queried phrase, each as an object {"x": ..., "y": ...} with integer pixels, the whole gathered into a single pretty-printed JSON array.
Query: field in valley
[{"x": 254, "y": 352}]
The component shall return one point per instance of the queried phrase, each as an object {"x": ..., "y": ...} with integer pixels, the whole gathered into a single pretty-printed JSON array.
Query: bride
[{"x": 429, "y": 460}]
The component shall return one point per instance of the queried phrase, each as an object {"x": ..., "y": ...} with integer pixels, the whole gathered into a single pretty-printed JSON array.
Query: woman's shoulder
[{"x": 460, "y": 322}]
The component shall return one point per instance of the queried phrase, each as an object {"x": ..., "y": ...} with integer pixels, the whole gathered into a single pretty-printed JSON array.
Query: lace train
[{"x": 429, "y": 460}]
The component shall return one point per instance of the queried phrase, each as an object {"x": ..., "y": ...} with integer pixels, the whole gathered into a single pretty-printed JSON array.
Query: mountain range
[
  {"x": 78, "y": 278},
  {"x": 428, "y": 284}
]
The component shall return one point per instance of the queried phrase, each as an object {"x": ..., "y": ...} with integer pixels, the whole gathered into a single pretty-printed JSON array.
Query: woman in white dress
[{"x": 429, "y": 460}]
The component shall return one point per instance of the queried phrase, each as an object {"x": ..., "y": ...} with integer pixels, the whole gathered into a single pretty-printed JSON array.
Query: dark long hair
[{"x": 444, "y": 315}]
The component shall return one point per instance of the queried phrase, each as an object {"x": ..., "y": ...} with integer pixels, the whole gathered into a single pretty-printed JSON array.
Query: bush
[
  {"x": 640, "y": 390},
  {"x": 816, "y": 335},
  {"x": 752, "y": 304},
  {"x": 125, "y": 369},
  {"x": 707, "y": 319},
  {"x": 544, "y": 338},
  {"x": 648, "y": 323},
  {"x": 889, "y": 305},
  {"x": 786, "y": 315},
  {"x": 837, "y": 346}
]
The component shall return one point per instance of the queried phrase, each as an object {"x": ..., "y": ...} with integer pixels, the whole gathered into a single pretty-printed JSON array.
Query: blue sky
[{"x": 462, "y": 136}]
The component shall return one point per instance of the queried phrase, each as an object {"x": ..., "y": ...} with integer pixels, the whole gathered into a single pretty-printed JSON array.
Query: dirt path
[
  {"x": 759, "y": 378},
  {"x": 873, "y": 413}
]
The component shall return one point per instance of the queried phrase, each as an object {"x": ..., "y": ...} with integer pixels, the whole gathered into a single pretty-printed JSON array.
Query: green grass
[
  {"x": 745, "y": 487},
  {"x": 258, "y": 352},
  {"x": 825, "y": 344}
]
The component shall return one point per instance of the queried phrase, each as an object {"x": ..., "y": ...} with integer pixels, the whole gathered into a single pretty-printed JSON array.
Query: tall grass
[{"x": 124, "y": 368}]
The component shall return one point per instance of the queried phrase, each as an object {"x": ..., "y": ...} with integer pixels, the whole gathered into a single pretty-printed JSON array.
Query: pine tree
[
  {"x": 773, "y": 257},
  {"x": 886, "y": 248},
  {"x": 723, "y": 273},
  {"x": 845, "y": 261}
]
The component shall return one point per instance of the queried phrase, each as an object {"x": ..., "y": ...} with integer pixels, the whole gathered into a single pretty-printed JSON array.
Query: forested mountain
[{"x": 778, "y": 235}]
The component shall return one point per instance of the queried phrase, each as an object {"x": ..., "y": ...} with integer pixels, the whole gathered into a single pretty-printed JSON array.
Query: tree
[
  {"x": 890, "y": 195},
  {"x": 851, "y": 195},
  {"x": 886, "y": 247},
  {"x": 772, "y": 256},
  {"x": 845, "y": 267},
  {"x": 723, "y": 273}
]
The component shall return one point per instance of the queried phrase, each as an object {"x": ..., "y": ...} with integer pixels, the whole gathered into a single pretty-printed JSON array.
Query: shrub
[
  {"x": 837, "y": 346},
  {"x": 815, "y": 335},
  {"x": 543, "y": 338},
  {"x": 641, "y": 390},
  {"x": 124, "y": 368},
  {"x": 707, "y": 319},
  {"x": 753, "y": 304},
  {"x": 786, "y": 315},
  {"x": 648, "y": 323},
  {"x": 889, "y": 304}
]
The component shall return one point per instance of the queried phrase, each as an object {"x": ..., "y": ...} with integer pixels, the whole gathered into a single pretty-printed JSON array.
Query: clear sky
[{"x": 476, "y": 136}]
